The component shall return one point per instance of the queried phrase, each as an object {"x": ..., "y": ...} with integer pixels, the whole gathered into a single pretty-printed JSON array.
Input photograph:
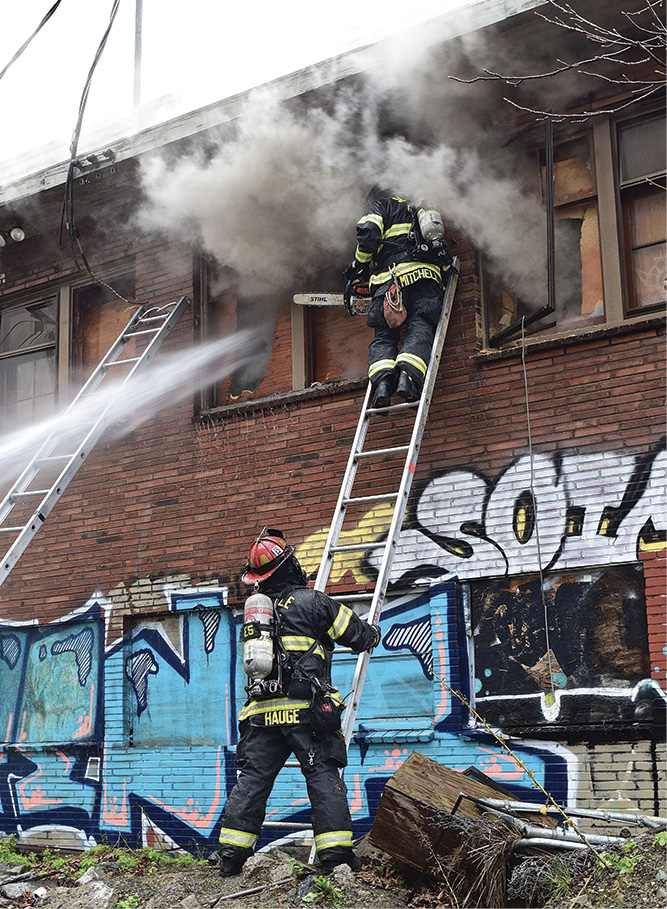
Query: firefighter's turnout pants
[
  {"x": 261, "y": 754},
  {"x": 423, "y": 304}
]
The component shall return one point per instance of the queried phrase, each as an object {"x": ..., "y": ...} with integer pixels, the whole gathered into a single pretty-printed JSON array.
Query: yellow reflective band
[
  {"x": 362, "y": 257},
  {"x": 332, "y": 839},
  {"x": 415, "y": 361},
  {"x": 396, "y": 230},
  {"x": 380, "y": 365},
  {"x": 340, "y": 623},
  {"x": 409, "y": 273},
  {"x": 259, "y": 708},
  {"x": 301, "y": 644},
  {"x": 242, "y": 838},
  {"x": 371, "y": 218}
]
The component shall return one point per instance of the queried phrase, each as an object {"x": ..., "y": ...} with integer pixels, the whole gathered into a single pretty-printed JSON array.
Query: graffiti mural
[
  {"x": 124, "y": 729},
  {"x": 134, "y": 740}
]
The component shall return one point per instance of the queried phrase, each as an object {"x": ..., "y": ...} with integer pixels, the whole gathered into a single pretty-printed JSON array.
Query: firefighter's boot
[
  {"x": 407, "y": 389},
  {"x": 382, "y": 393},
  {"x": 229, "y": 867}
]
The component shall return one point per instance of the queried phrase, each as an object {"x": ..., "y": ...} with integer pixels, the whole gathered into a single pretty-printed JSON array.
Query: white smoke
[{"x": 278, "y": 199}]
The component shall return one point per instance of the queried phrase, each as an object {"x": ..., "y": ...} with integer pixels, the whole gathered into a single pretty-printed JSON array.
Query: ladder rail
[
  {"x": 326, "y": 564},
  {"x": 101, "y": 422}
]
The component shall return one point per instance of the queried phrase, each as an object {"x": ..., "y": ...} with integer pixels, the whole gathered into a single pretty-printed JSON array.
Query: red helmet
[{"x": 267, "y": 553}]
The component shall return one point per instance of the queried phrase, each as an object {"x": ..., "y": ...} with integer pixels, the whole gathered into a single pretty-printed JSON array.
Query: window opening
[
  {"x": 641, "y": 152},
  {"x": 28, "y": 361},
  {"x": 573, "y": 260}
]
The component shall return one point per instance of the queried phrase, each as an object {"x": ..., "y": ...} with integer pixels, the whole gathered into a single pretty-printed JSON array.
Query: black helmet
[{"x": 378, "y": 191}]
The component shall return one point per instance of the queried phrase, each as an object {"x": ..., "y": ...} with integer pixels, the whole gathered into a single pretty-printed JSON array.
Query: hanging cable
[
  {"x": 534, "y": 505},
  {"x": 26, "y": 43},
  {"x": 67, "y": 219}
]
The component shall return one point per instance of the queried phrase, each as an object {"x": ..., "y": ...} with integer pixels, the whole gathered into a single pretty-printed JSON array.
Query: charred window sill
[
  {"x": 283, "y": 399},
  {"x": 565, "y": 339}
]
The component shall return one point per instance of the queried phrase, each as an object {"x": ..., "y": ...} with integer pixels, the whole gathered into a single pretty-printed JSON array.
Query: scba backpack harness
[
  {"x": 426, "y": 237},
  {"x": 272, "y": 672}
]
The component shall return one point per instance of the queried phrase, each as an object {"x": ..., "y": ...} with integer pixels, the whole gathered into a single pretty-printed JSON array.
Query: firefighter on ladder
[
  {"x": 272, "y": 726},
  {"x": 384, "y": 253}
]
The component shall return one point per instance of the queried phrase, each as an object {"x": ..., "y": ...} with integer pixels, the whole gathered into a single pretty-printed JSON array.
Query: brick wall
[{"x": 168, "y": 502}]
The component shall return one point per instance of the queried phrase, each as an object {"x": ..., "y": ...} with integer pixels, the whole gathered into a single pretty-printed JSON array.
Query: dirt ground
[{"x": 637, "y": 879}]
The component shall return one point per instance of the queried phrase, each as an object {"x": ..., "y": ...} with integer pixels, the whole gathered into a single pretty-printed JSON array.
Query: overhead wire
[
  {"x": 534, "y": 506},
  {"x": 26, "y": 43},
  {"x": 67, "y": 218}
]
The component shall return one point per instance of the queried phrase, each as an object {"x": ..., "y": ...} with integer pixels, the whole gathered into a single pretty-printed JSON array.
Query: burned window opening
[
  {"x": 597, "y": 632},
  {"x": 571, "y": 278}
]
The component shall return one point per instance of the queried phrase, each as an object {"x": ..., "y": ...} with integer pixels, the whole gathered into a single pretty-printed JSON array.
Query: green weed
[
  {"x": 623, "y": 862},
  {"x": 560, "y": 879},
  {"x": 325, "y": 889},
  {"x": 130, "y": 902}
]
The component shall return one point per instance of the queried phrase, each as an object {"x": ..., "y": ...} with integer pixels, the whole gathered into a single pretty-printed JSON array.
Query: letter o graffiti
[{"x": 523, "y": 519}]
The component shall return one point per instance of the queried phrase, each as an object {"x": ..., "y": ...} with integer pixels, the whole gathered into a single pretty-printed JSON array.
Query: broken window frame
[
  {"x": 552, "y": 206},
  {"x": 630, "y": 188},
  {"x": 613, "y": 258}
]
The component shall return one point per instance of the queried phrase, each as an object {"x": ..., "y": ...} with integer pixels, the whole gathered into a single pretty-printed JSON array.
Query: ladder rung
[
  {"x": 30, "y": 492},
  {"x": 121, "y": 362},
  {"x": 62, "y": 457},
  {"x": 351, "y": 597},
  {"x": 381, "y": 451},
  {"x": 380, "y": 497},
  {"x": 402, "y": 406},
  {"x": 287, "y": 825},
  {"x": 143, "y": 331},
  {"x": 10, "y": 529},
  {"x": 356, "y": 547},
  {"x": 161, "y": 318}
]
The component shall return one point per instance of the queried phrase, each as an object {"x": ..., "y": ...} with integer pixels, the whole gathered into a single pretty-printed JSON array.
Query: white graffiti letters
[{"x": 591, "y": 509}]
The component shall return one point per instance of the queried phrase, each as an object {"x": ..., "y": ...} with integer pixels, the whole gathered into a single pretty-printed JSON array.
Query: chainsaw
[{"x": 356, "y": 299}]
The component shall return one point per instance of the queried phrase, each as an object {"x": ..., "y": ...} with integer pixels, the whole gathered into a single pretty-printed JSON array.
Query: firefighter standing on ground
[
  {"x": 384, "y": 253},
  {"x": 273, "y": 727}
]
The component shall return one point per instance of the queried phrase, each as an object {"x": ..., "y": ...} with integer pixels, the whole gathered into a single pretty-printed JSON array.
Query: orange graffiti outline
[
  {"x": 86, "y": 724},
  {"x": 36, "y": 798},
  {"x": 193, "y": 816},
  {"x": 518, "y": 771}
]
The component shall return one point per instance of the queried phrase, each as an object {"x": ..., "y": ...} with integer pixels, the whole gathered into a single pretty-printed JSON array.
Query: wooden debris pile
[{"x": 466, "y": 831}]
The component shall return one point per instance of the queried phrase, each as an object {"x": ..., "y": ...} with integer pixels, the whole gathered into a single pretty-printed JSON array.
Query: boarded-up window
[
  {"x": 340, "y": 344},
  {"x": 577, "y": 267},
  {"x": 260, "y": 353},
  {"x": 574, "y": 631},
  {"x": 98, "y": 317}
]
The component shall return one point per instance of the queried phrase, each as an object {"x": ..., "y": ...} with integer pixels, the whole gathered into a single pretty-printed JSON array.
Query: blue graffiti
[{"x": 76, "y": 760}]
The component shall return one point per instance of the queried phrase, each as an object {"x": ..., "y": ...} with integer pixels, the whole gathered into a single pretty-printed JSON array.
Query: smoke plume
[{"x": 277, "y": 198}]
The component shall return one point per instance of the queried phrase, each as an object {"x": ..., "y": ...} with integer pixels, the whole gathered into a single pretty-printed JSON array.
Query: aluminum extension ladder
[
  {"x": 400, "y": 497},
  {"x": 64, "y": 449}
]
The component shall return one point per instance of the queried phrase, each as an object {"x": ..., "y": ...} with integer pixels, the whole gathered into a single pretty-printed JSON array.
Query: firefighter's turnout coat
[
  {"x": 383, "y": 249},
  {"x": 272, "y": 728}
]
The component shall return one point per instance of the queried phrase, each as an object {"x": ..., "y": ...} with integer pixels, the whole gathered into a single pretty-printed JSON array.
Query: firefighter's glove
[
  {"x": 355, "y": 271},
  {"x": 377, "y": 636}
]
